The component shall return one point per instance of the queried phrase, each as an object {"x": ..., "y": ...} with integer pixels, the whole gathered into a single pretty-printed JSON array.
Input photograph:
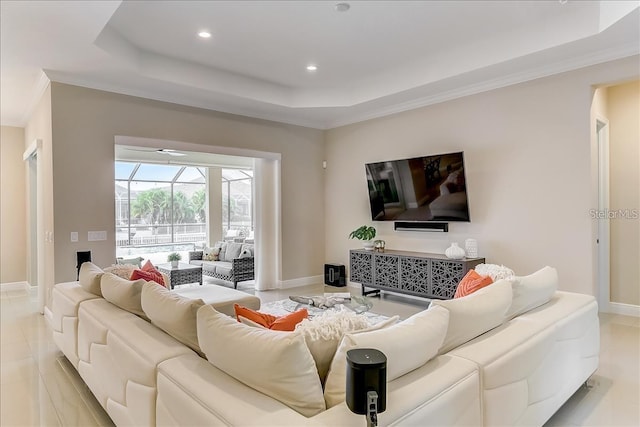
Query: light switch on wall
[{"x": 74, "y": 236}]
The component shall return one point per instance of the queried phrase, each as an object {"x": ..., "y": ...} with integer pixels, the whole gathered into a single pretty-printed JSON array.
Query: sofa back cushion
[
  {"x": 123, "y": 293},
  {"x": 275, "y": 363},
  {"x": 89, "y": 278},
  {"x": 174, "y": 314},
  {"x": 232, "y": 252},
  {"x": 532, "y": 291},
  {"x": 475, "y": 314},
  {"x": 408, "y": 345}
]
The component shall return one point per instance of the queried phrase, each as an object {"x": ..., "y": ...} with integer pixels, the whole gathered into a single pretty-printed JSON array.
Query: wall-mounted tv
[{"x": 429, "y": 188}]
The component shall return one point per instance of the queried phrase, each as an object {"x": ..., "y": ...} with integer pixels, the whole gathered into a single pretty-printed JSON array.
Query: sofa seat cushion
[
  {"x": 173, "y": 313},
  {"x": 407, "y": 345},
  {"x": 196, "y": 262},
  {"x": 276, "y": 363},
  {"x": 475, "y": 314},
  {"x": 224, "y": 268},
  {"x": 424, "y": 397},
  {"x": 193, "y": 392}
]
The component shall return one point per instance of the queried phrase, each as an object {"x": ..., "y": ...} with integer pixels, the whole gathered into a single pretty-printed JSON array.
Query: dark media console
[{"x": 413, "y": 273}]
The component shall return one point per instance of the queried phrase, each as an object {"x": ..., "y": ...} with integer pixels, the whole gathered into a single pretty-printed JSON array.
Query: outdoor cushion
[{"x": 232, "y": 252}]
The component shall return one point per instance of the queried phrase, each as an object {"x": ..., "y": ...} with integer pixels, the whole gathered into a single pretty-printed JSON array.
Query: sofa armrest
[
  {"x": 195, "y": 255},
  {"x": 243, "y": 268}
]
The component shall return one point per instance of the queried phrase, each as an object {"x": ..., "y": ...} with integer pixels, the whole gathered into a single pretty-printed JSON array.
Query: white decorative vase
[
  {"x": 471, "y": 246},
  {"x": 368, "y": 245},
  {"x": 174, "y": 264},
  {"x": 454, "y": 251}
]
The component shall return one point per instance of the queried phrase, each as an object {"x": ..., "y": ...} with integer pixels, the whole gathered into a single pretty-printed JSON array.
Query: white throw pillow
[
  {"x": 123, "y": 293},
  {"x": 532, "y": 291},
  {"x": 475, "y": 314},
  {"x": 408, "y": 345},
  {"x": 89, "y": 278},
  {"x": 275, "y": 363},
  {"x": 121, "y": 270},
  {"x": 495, "y": 271},
  {"x": 174, "y": 314}
]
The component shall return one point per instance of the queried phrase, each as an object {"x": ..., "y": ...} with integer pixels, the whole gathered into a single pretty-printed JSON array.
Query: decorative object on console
[
  {"x": 366, "y": 234},
  {"x": 471, "y": 246},
  {"x": 379, "y": 245},
  {"x": 174, "y": 258},
  {"x": 454, "y": 251},
  {"x": 367, "y": 383}
]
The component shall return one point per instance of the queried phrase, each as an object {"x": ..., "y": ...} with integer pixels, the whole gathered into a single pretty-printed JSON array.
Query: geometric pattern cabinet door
[{"x": 414, "y": 273}]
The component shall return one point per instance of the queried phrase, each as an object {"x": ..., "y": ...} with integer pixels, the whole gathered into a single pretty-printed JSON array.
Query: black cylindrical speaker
[{"x": 366, "y": 371}]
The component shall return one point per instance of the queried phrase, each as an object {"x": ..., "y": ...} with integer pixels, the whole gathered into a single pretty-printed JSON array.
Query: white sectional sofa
[{"x": 519, "y": 371}]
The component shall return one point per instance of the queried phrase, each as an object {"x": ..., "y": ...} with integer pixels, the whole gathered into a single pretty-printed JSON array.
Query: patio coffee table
[{"x": 182, "y": 274}]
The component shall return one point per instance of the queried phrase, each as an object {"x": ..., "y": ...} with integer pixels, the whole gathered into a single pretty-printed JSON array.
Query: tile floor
[{"x": 40, "y": 388}]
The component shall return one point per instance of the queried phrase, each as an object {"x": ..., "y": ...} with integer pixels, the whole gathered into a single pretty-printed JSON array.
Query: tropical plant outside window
[{"x": 162, "y": 208}]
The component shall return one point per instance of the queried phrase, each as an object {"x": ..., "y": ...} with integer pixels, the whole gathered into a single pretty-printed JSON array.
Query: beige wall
[
  {"x": 85, "y": 122},
  {"x": 624, "y": 154},
  {"x": 528, "y": 155},
  {"x": 13, "y": 204}
]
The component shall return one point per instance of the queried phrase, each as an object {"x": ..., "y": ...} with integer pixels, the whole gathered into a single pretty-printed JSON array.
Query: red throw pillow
[
  {"x": 149, "y": 276},
  {"x": 282, "y": 323},
  {"x": 148, "y": 266},
  {"x": 472, "y": 282}
]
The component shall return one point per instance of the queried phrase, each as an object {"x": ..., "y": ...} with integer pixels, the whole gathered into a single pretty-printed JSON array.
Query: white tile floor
[{"x": 40, "y": 388}]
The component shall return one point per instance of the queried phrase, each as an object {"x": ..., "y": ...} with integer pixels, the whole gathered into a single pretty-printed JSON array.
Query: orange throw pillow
[
  {"x": 289, "y": 322},
  {"x": 282, "y": 323},
  {"x": 262, "y": 319},
  {"x": 472, "y": 282}
]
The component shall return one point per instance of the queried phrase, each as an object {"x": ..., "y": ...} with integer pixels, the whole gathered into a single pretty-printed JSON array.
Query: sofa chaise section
[
  {"x": 66, "y": 299},
  {"x": 119, "y": 354},
  {"x": 532, "y": 364}
]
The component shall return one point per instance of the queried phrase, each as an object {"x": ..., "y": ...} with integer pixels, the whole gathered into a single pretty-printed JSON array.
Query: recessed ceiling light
[
  {"x": 204, "y": 34},
  {"x": 312, "y": 67},
  {"x": 342, "y": 7}
]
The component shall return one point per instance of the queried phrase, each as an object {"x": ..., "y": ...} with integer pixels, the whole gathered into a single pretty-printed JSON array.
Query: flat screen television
[{"x": 429, "y": 188}]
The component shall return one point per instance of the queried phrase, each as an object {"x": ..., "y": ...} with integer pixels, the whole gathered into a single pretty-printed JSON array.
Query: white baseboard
[
  {"x": 301, "y": 281},
  {"x": 14, "y": 286},
  {"x": 624, "y": 309}
]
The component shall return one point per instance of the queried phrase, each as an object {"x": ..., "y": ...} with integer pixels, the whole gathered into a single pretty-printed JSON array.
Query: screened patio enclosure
[{"x": 164, "y": 208}]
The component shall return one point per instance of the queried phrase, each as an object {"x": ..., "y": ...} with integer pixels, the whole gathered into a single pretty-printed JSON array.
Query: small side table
[{"x": 182, "y": 274}]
